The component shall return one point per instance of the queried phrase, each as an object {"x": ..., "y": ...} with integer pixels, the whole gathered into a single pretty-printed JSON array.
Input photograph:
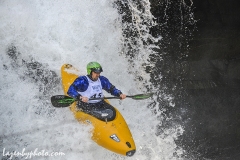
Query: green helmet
[{"x": 94, "y": 66}]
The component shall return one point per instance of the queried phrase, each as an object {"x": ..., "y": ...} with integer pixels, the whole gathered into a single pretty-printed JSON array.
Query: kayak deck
[{"x": 113, "y": 135}]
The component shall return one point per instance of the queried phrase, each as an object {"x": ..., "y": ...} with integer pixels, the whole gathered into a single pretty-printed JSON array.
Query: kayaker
[{"x": 91, "y": 86}]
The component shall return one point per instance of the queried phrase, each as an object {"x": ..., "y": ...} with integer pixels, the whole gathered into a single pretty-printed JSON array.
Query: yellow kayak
[{"x": 113, "y": 135}]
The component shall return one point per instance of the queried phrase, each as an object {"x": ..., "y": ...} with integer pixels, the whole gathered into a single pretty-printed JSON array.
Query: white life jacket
[{"x": 94, "y": 90}]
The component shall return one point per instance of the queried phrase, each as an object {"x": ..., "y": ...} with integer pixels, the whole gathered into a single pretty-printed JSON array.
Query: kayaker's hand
[
  {"x": 122, "y": 96},
  {"x": 84, "y": 99}
]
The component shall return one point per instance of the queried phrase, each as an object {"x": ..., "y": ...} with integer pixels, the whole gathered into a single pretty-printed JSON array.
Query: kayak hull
[{"x": 113, "y": 135}]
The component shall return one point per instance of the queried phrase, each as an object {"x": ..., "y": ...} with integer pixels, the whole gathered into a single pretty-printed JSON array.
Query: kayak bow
[{"x": 113, "y": 135}]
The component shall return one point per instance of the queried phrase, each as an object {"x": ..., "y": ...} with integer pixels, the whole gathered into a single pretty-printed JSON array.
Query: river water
[{"x": 37, "y": 37}]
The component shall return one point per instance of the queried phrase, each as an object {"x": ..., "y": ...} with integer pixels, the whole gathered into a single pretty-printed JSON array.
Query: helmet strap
[{"x": 90, "y": 76}]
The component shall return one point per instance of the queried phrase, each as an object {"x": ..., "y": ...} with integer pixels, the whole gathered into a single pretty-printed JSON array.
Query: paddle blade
[
  {"x": 62, "y": 101},
  {"x": 141, "y": 96}
]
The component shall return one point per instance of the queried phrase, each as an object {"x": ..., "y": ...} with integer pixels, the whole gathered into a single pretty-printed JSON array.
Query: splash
[{"x": 38, "y": 37}]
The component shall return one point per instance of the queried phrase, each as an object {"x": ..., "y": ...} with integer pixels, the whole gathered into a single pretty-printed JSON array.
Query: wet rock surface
[{"x": 203, "y": 74}]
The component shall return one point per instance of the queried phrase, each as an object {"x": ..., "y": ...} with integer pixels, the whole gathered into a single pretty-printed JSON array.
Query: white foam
[{"x": 75, "y": 32}]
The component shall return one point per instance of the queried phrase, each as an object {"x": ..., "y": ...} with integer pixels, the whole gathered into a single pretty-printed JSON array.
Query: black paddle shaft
[{"x": 65, "y": 101}]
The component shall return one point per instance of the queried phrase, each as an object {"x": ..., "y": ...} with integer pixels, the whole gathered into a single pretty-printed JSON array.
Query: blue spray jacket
[{"x": 81, "y": 85}]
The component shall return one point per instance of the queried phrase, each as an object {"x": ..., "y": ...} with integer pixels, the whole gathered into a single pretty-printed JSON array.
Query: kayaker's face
[{"x": 95, "y": 76}]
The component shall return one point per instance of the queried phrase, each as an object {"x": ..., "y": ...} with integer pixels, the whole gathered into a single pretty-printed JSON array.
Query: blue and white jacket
[{"x": 81, "y": 84}]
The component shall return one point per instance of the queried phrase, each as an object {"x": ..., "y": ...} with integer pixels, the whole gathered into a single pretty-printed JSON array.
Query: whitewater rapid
[{"x": 36, "y": 38}]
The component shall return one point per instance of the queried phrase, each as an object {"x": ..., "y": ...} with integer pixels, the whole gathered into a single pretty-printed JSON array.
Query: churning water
[{"x": 37, "y": 37}]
